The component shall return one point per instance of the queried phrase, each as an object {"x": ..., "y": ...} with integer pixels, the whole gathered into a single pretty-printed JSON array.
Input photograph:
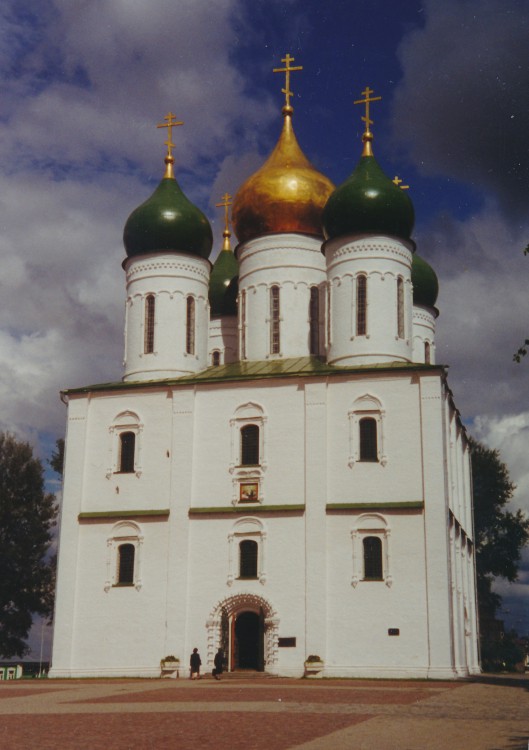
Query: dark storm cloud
[{"x": 465, "y": 90}]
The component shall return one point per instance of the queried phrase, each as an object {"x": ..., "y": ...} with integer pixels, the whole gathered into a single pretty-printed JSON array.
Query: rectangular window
[
  {"x": 127, "y": 449},
  {"x": 190, "y": 325},
  {"x": 250, "y": 445},
  {"x": 275, "y": 343},
  {"x": 248, "y": 559},
  {"x": 372, "y": 558},
  {"x": 148, "y": 347},
  {"x": 361, "y": 306},
  {"x": 400, "y": 308},
  {"x": 126, "y": 553},
  {"x": 368, "y": 439},
  {"x": 314, "y": 318}
]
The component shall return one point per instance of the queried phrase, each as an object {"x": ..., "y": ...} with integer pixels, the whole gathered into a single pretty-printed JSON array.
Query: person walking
[
  {"x": 219, "y": 664},
  {"x": 195, "y": 663}
]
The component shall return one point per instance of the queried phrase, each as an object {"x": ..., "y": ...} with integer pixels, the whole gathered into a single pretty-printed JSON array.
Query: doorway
[{"x": 248, "y": 641}]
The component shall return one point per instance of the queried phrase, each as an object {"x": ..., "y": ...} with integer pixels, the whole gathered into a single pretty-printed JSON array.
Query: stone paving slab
[{"x": 273, "y": 714}]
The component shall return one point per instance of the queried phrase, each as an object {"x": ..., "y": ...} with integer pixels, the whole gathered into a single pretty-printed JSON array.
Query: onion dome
[
  {"x": 425, "y": 283},
  {"x": 368, "y": 202},
  {"x": 224, "y": 270},
  {"x": 168, "y": 221},
  {"x": 287, "y": 194}
]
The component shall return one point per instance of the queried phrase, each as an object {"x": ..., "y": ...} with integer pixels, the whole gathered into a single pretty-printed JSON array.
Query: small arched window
[
  {"x": 400, "y": 307},
  {"x": 361, "y": 306},
  {"x": 250, "y": 445},
  {"x": 215, "y": 358},
  {"x": 190, "y": 325},
  {"x": 148, "y": 345},
  {"x": 127, "y": 446},
  {"x": 368, "y": 439},
  {"x": 314, "y": 318},
  {"x": 126, "y": 554},
  {"x": 373, "y": 570},
  {"x": 427, "y": 354},
  {"x": 275, "y": 341},
  {"x": 248, "y": 559}
]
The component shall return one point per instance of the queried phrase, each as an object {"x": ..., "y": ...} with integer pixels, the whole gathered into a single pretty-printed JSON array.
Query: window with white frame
[
  {"x": 366, "y": 431},
  {"x": 275, "y": 340},
  {"x": 371, "y": 551},
  {"x": 125, "y": 445},
  {"x": 250, "y": 445},
  {"x": 373, "y": 566},
  {"x": 215, "y": 358},
  {"x": 248, "y": 452},
  {"x": 125, "y": 563},
  {"x": 248, "y": 557},
  {"x": 148, "y": 339},
  {"x": 400, "y": 307},
  {"x": 190, "y": 325},
  {"x": 247, "y": 550},
  {"x": 124, "y": 556},
  {"x": 361, "y": 305},
  {"x": 367, "y": 436},
  {"x": 314, "y": 321}
]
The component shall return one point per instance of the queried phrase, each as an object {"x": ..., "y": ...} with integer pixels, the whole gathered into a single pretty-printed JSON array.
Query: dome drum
[
  {"x": 177, "y": 316},
  {"x": 370, "y": 295},
  {"x": 294, "y": 265}
]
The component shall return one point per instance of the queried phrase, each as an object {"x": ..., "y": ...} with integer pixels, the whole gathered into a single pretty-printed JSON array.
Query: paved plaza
[{"x": 265, "y": 714}]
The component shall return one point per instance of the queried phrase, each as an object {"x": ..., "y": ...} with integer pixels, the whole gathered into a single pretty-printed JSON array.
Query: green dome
[
  {"x": 224, "y": 270},
  {"x": 368, "y": 202},
  {"x": 168, "y": 222},
  {"x": 425, "y": 283}
]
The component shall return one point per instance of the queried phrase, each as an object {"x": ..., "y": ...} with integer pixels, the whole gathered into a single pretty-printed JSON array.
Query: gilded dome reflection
[{"x": 287, "y": 194}]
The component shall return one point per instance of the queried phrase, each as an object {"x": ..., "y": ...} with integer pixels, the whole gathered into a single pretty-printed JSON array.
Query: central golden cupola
[{"x": 287, "y": 194}]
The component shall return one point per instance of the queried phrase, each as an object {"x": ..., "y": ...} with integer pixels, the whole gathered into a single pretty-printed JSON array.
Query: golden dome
[{"x": 287, "y": 194}]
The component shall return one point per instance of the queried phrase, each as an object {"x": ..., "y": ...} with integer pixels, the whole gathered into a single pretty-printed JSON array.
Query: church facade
[{"x": 282, "y": 472}]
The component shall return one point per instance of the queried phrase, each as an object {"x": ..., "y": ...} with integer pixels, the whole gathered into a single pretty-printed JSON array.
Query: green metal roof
[{"x": 260, "y": 370}]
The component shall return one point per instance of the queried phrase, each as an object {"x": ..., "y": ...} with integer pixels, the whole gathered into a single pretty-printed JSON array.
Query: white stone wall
[{"x": 310, "y": 584}]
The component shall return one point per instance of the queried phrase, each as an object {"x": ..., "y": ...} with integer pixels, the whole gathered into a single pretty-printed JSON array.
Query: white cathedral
[{"x": 282, "y": 472}]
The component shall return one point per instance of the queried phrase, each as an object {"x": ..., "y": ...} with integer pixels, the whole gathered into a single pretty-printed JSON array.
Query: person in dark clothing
[
  {"x": 219, "y": 664},
  {"x": 195, "y": 663}
]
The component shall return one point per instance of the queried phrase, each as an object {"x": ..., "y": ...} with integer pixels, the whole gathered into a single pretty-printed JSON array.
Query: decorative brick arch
[{"x": 245, "y": 602}]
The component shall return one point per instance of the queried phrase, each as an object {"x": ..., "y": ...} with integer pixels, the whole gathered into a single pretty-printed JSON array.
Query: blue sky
[{"x": 85, "y": 83}]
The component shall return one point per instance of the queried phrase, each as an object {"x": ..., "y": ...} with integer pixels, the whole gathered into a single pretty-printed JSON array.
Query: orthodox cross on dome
[
  {"x": 397, "y": 181},
  {"x": 226, "y": 203},
  {"x": 367, "y": 137},
  {"x": 287, "y": 109},
  {"x": 170, "y": 124}
]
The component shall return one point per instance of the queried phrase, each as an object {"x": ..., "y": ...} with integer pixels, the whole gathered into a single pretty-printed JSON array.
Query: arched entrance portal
[
  {"x": 245, "y": 627},
  {"x": 248, "y": 641}
]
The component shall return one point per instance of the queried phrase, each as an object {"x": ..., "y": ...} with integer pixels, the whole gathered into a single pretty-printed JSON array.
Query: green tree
[
  {"x": 500, "y": 535},
  {"x": 57, "y": 457},
  {"x": 27, "y": 519}
]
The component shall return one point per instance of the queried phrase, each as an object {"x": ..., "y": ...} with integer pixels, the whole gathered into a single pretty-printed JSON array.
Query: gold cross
[
  {"x": 397, "y": 181},
  {"x": 366, "y": 93},
  {"x": 287, "y": 70},
  {"x": 170, "y": 124},
  {"x": 226, "y": 202}
]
